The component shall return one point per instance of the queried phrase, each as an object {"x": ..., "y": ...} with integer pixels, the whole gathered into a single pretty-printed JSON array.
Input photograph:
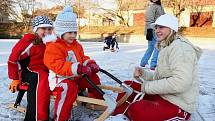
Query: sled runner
[{"x": 108, "y": 105}]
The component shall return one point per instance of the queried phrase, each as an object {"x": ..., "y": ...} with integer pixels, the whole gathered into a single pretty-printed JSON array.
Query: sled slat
[
  {"x": 19, "y": 108},
  {"x": 103, "y": 116},
  {"x": 114, "y": 89},
  {"x": 91, "y": 100}
]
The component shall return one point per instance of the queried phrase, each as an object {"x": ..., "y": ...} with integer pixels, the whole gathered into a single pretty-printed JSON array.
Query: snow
[{"x": 121, "y": 64}]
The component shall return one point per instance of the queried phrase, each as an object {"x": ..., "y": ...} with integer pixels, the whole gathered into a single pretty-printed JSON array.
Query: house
[{"x": 195, "y": 13}]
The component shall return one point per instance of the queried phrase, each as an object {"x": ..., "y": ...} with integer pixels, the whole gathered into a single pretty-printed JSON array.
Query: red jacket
[
  {"x": 24, "y": 48},
  {"x": 63, "y": 58}
]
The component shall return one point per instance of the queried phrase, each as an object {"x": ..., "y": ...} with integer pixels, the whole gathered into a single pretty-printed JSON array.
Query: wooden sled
[{"x": 94, "y": 104}]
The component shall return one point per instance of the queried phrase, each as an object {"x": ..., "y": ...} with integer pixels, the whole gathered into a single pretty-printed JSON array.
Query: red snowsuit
[
  {"x": 63, "y": 59},
  {"x": 30, "y": 50},
  {"x": 150, "y": 108}
]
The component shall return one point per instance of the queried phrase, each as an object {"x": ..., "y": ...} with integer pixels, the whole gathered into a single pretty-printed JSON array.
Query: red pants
[
  {"x": 67, "y": 91},
  {"x": 38, "y": 95},
  {"x": 151, "y": 108}
]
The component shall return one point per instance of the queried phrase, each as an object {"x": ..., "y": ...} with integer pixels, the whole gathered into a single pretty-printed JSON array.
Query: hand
[
  {"x": 94, "y": 67},
  {"x": 138, "y": 72},
  {"x": 84, "y": 70},
  {"x": 14, "y": 85},
  {"x": 149, "y": 34}
]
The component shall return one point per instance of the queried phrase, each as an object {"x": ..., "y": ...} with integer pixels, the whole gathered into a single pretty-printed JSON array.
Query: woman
[
  {"x": 153, "y": 11},
  {"x": 172, "y": 90}
]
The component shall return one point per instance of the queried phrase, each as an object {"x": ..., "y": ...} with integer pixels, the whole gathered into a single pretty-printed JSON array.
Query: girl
[
  {"x": 172, "y": 90},
  {"x": 25, "y": 64}
]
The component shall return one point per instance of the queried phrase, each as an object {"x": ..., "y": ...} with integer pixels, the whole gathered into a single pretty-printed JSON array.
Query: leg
[
  {"x": 112, "y": 45},
  {"x": 38, "y": 97},
  {"x": 147, "y": 54},
  {"x": 67, "y": 92},
  {"x": 120, "y": 109},
  {"x": 31, "y": 97},
  {"x": 153, "y": 63},
  {"x": 83, "y": 84},
  {"x": 154, "y": 109}
]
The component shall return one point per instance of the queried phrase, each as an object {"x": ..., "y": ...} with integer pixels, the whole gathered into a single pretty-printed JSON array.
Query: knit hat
[
  {"x": 66, "y": 21},
  {"x": 41, "y": 21},
  {"x": 167, "y": 20}
]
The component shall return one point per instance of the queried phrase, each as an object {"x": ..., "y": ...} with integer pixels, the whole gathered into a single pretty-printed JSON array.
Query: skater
[
  {"x": 28, "y": 54},
  {"x": 171, "y": 92},
  {"x": 67, "y": 60},
  {"x": 114, "y": 42},
  {"x": 153, "y": 11},
  {"x": 108, "y": 42}
]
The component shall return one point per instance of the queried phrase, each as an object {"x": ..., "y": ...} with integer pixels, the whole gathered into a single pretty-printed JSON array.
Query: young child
[
  {"x": 67, "y": 60},
  {"x": 108, "y": 42},
  {"x": 26, "y": 64},
  {"x": 113, "y": 42}
]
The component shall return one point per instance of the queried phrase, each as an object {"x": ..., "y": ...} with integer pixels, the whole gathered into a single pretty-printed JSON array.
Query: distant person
[
  {"x": 153, "y": 11},
  {"x": 114, "y": 42},
  {"x": 107, "y": 41}
]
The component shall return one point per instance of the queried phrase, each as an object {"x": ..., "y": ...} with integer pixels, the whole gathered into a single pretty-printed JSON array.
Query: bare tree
[
  {"x": 178, "y": 6},
  {"x": 5, "y": 7},
  {"x": 121, "y": 12},
  {"x": 198, "y": 17},
  {"x": 23, "y": 11}
]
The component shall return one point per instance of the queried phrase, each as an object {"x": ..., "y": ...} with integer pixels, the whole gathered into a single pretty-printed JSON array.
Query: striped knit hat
[
  {"x": 66, "y": 21},
  {"x": 41, "y": 21}
]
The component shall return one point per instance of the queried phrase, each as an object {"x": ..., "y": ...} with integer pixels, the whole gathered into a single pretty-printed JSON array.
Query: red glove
[
  {"x": 94, "y": 67},
  {"x": 84, "y": 70}
]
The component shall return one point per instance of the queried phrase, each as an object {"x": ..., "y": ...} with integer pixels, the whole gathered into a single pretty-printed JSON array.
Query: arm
[
  {"x": 55, "y": 60},
  {"x": 148, "y": 75},
  {"x": 18, "y": 49},
  {"x": 150, "y": 16}
]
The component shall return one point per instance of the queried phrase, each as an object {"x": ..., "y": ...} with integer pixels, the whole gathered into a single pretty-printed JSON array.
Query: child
[
  {"x": 108, "y": 42},
  {"x": 66, "y": 58},
  {"x": 28, "y": 53},
  {"x": 113, "y": 42}
]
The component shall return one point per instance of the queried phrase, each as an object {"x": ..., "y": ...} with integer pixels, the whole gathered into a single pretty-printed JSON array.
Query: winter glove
[
  {"x": 14, "y": 85},
  {"x": 94, "y": 67},
  {"x": 84, "y": 70},
  {"x": 149, "y": 34}
]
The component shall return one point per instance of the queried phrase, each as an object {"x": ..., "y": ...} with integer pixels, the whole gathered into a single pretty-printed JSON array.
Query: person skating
[
  {"x": 114, "y": 42},
  {"x": 107, "y": 41}
]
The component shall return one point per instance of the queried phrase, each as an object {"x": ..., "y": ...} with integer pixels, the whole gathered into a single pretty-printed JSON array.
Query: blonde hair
[{"x": 169, "y": 39}]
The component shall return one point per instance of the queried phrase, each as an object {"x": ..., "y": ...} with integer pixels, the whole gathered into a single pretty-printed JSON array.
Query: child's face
[
  {"x": 42, "y": 31},
  {"x": 69, "y": 37}
]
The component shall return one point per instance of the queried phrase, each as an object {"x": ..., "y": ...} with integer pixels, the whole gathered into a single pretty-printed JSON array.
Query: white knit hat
[
  {"x": 167, "y": 20},
  {"x": 66, "y": 21}
]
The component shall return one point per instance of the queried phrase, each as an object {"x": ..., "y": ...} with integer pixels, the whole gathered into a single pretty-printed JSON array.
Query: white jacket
[{"x": 176, "y": 76}]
